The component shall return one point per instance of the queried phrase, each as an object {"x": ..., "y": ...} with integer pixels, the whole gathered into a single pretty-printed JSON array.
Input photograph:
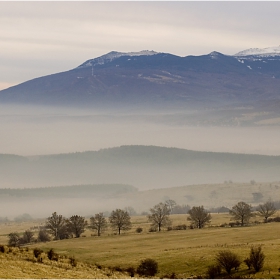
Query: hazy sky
[{"x": 40, "y": 38}]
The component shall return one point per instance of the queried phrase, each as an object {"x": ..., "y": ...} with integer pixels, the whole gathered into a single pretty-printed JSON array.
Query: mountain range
[{"x": 149, "y": 79}]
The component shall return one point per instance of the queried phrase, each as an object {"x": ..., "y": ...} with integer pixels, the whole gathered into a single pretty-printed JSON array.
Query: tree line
[{"x": 58, "y": 227}]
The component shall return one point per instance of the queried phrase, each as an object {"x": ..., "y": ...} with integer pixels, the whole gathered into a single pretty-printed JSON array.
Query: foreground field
[
  {"x": 187, "y": 253},
  {"x": 22, "y": 264}
]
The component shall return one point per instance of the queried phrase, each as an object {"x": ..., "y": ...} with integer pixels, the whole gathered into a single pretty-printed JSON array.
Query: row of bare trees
[
  {"x": 199, "y": 217},
  {"x": 243, "y": 212},
  {"x": 62, "y": 228},
  {"x": 119, "y": 220}
]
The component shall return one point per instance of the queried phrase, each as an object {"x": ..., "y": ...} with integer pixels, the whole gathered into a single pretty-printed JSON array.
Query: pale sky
[{"x": 41, "y": 38}]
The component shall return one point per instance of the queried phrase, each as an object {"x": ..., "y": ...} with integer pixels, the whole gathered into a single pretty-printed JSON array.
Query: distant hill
[
  {"x": 144, "y": 167},
  {"x": 78, "y": 191}
]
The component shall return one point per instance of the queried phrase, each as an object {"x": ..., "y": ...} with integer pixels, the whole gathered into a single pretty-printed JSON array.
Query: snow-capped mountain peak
[
  {"x": 113, "y": 55},
  {"x": 271, "y": 51}
]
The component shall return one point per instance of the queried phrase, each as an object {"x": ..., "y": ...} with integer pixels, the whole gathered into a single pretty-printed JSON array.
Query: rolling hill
[{"x": 144, "y": 167}]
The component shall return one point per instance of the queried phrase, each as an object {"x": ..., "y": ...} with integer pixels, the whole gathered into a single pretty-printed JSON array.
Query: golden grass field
[
  {"x": 22, "y": 264},
  {"x": 185, "y": 252}
]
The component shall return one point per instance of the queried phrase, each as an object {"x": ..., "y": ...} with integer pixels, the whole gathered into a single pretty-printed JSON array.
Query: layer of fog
[{"x": 37, "y": 131}]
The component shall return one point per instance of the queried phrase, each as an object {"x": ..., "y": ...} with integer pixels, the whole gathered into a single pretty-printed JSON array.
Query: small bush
[
  {"x": 139, "y": 230},
  {"x": 276, "y": 219},
  {"x": 224, "y": 225},
  {"x": 52, "y": 255},
  {"x": 228, "y": 260},
  {"x": 181, "y": 227},
  {"x": 73, "y": 261},
  {"x": 213, "y": 271},
  {"x": 37, "y": 252},
  {"x": 147, "y": 267},
  {"x": 3, "y": 249},
  {"x": 152, "y": 229},
  {"x": 256, "y": 258},
  {"x": 131, "y": 271},
  {"x": 169, "y": 228},
  {"x": 99, "y": 266}
]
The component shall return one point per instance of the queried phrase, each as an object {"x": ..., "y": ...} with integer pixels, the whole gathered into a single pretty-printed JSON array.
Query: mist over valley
[{"x": 152, "y": 121}]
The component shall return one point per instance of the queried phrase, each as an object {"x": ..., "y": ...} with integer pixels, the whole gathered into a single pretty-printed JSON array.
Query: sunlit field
[{"x": 187, "y": 253}]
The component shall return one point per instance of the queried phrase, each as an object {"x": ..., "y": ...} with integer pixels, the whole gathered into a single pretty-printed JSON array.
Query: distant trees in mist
[
  {"x": 266, "y": 210},
  {"x": 98, "y": 223},
  {"x": 159, "y": 216},
  {"x": 199, "y": 217},
  {"x": 58, "y": 227},
  {"x": 241, "y": 212},
  {"x": 120, "y": 220}
]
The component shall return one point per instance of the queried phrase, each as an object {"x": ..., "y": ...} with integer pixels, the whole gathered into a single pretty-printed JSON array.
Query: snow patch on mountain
[
  {"x": 112, "y": 56},
  {"x": 271, "y": 51}
]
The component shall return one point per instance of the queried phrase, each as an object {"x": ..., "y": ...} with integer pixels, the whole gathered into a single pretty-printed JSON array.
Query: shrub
[
  {"x": 14, "y": 239},
  {"x": 37, "y": 252},
  {"x": 276, "y": 219},
  {"x": 139, "y": 230},
  {"x": 2, "y": 248},
  {"x": 99, "y": 266},
  {"x": 213, "y": 271},
  {"x": 147, "y": 267},
  {"x": 152, "y": 229},
  {"x": 52, "y": 255},
  {"x": 228, "y": 260},
  {"x": 181, "y": 227},
  {"x": 256, "y": 258},
  {"x": 224, "y": 225},
  {"x": 43, "y": 236},
  {"x": 73, "y": 261},
  {"x": 131, "y": 271}
]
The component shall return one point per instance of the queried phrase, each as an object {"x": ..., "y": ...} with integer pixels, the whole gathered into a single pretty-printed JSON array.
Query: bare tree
[
  {"x": 98, "y": 222},
  {"x": 199, "y": 217},
  {"x": 241, "y": 212},
  {"x": 14, "y": 239},
  {"x": 76, "y": 225},
  {"x": 28, "y": 236},
  {"x": 159, "y": 216},
  {"x": 56, "y": 225},
  {"x": 43, "y": 236},
  {"x": 171, "y": 204},
  {"x": 120, "y": 220},
  {"x": 266, "y": 210}
]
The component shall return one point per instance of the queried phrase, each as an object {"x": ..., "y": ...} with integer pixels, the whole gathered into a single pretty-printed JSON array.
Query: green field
[{"x": 185, "y": 252}]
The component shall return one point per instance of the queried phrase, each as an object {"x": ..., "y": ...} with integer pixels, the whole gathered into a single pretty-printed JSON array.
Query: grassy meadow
[
  {"x": 21, "y": 264},
  {"x": 188, "y": 253}
]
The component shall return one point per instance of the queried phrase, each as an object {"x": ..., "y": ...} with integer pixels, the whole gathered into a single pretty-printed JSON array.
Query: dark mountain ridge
[{"x": 156, "y": 80}]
